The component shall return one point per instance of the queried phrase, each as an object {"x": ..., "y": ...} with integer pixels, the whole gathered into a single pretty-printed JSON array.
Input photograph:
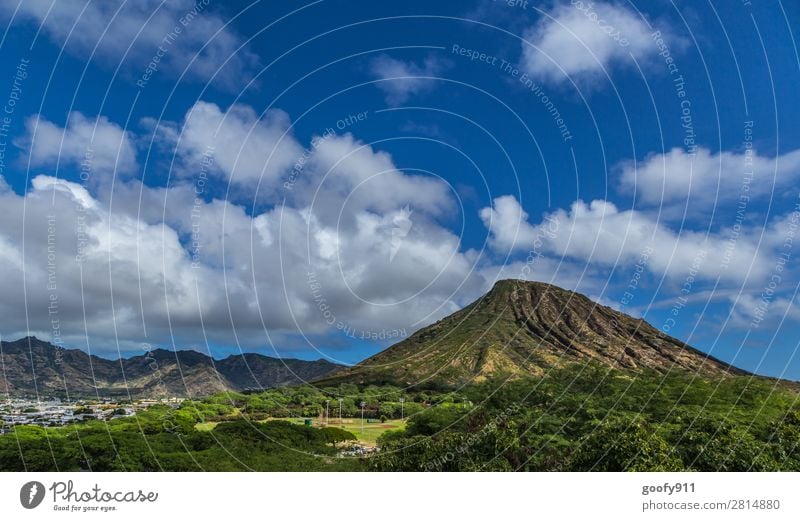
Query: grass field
[
  {"x": 369, "y": 435},
  {"x": 371, "y": 431}
]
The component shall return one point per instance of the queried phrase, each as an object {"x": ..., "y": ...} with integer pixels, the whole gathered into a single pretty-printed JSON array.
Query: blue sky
[{"x": 322, "y": 179}]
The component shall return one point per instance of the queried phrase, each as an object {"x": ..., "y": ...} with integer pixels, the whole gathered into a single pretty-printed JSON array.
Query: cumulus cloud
[
  {"x": 584, "y": 39},
  {"x": 366, "y": 254},
  {"x": 84, "y": 142},
  {"x": 214, "y": 270},
  {"x": 246, "y": 148},
  {"x": 116, "y": 30},
  {"x": 706, "y": 176},
  {"x": 508, "y": 224},
  {"x": 399, "y": 80},
  {"x": 600, "y": 234},
  {"x": 346, "y": 176},
  {"x": 337, "y": 174}
]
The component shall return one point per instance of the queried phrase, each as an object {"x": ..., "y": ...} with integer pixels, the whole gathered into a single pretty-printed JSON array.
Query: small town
[{"x": 53, "y": 412}]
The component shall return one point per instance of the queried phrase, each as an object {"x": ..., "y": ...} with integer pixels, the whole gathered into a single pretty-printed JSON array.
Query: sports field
[{"x": 368, "y": 435}]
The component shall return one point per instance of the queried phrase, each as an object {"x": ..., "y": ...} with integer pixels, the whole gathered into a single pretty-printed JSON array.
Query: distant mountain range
[
  {"x": 524, "y": 328},
  {"x": 31, "y": 367}
]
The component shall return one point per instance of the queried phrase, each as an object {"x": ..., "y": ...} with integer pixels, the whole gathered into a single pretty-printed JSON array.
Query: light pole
[
  {"x": 402, "y": 400},
  {"x": 362, "y": 416},
  {"x": 340, "y": 411},
  {"x": 327, "y": 412}
]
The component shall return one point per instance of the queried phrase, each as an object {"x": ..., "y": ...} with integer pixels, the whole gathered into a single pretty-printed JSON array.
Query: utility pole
[
  {"x": 327, "y": 412},
  {"x": 340, "y": 411},
  {"x": 362, "y": 416},
  {"x": 402, "y": 416}
]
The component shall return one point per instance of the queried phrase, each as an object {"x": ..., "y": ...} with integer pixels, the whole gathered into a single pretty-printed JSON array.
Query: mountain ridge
[{"x": 30, "y": 366}]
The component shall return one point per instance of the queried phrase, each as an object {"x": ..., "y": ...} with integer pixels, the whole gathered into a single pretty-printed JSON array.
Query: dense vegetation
[
  {"x": 576, "y": 418},
  {"x": 165, "y": 439},
  {"x": 600, "y": 419},
  {"x": 248, "y": 436},
  {"x": 309, "y": 401}
]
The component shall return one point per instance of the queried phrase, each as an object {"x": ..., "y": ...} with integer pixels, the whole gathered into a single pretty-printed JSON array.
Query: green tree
[
  {"x": 623, "y": 444},
  {"x": 719, "y": 445},
  {"x": 335, "y": 435}
]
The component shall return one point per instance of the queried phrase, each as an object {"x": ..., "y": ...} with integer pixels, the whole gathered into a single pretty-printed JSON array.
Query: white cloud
[
  {"x": 705, "y": 176},
  {"x": 93, "y": 145},
  {"x": 400, "y": 80},
  {"x": 204, "y": 269},
  {"x": 245, "y": 147},
  {"x": 599, "y": 234},
  {"x": 337, "y": 174},
  {"x": 508, "y": 224},
  {"x": 345, "y": 176},
  {"x": 116, "y": 30},
  {"x": 584, "y": 39}
]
